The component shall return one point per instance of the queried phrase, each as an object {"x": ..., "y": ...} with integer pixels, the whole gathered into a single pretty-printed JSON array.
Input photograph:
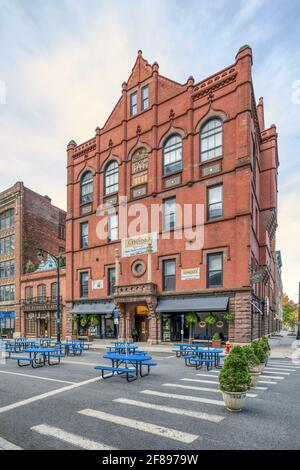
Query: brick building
[
  {"x": 39, "y": 300},
  {"x": 28, "y": 221},
  {"x": 169, "y": 144}
]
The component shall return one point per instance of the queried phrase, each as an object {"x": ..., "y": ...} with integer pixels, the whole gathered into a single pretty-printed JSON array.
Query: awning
[
  {"x": 193, "y": 304},
  {"x": 10, "y": 315},
  {"x": 97, "y": 308}
]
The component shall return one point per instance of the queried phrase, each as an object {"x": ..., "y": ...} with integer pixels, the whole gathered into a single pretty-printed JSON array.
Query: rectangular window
[
  {"x": 7, "y": 293},
  {"x": 169, "y": 213},
  {"x": 7, "y": 269},
  {"x": 111, "y": 274},
  {"x": 7, "y": 244},
  {"x": 145, "y": 97},
  {"x": 84, "y": 284},
  {"x": 214, "y": 202},
  {"x": 215, "y": 270},
  {"x": 62, "y": 232},
  {"x": 169, "y": 275},
  {"x": 113, "y": 227},
  {"x": 84, "y": 234},
  {"x": 54, "y": 291},
  {"x": 133, "y": 104}
]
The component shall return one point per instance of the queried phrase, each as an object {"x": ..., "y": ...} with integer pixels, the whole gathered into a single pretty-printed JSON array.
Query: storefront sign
[
  {"x": 189, "y": 274},
  {"x": 142, "y": 310},
  {"x": 98, "y": 284},
  {"x": 138, "y": 245}
]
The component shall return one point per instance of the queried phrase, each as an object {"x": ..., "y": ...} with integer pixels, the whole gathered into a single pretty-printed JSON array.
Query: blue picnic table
[
  {"x": 38, "y": 357},
  {"x": 122, "y": 348},
  {"x": 202, "y": 356},
  {"x": 120, "y": 362}
]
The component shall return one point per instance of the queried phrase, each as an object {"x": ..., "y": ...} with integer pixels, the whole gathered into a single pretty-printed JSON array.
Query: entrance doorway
[
  {"x": 43, "y": 328},
  {"x": 141, "y": 326}
]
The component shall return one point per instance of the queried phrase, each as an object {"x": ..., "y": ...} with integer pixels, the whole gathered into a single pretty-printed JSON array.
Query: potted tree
[
  {"x": 191, "y": 320},
  {"x": 260, "y": 352},
  {"x": 253, "y": 363},
  {"x": 216, "y": 341},
  {"x": 235, "y": 379},
  {"x": 134, "y": 334},
  {"x": 264, "y": 342}
]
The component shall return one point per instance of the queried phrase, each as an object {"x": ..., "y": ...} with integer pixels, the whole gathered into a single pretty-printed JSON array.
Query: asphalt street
[{"x": 68, "y": 407}]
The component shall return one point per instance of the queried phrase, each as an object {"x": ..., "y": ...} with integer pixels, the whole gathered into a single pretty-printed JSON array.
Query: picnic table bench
[
  {"x": 130, "y": 372},
  {"x": 137, "y": 361}
]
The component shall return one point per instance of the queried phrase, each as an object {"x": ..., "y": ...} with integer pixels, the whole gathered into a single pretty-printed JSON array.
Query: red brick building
[
  {"x": 172, "y": 144},
  {"x": 39, "y": 301},
  {"x": 28, "y": 222}
]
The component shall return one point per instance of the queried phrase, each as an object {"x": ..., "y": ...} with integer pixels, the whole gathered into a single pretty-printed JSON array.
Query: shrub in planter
[
  {"x": 264, "y": 342},
  {"x": 216, "y": 341},
  {"x": 260, "y": 352},
  {"x": 253, "y": 364},
  {"x": 235, "y": 379}
]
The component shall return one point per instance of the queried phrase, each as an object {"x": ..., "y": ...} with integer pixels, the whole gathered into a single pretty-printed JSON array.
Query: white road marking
[
  {"x": 266, "y": 371},
  {"x": 70, "y": 438},
  {"x": 6, "y": 445},
  {"x": 284, "y": 369},
  {"x": 269, "y": 375},
  {"x": 208, "y": 375},
  {"x": 187, "y": 438},
  {"x": 52, "y": 393},
  {"x": 201, "y": 381},
  {"x": 267, "y": 382},
  {"x": 260, "y": 388},
  {"x": 36, "y": 377},
  {"x": 183, "y": 397},
  {"x": 202, "y": 389},
  {"x": 168, "y": 409}
]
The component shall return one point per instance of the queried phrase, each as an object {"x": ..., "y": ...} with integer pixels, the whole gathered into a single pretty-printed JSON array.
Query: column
[{"x": 149, "y": 251}]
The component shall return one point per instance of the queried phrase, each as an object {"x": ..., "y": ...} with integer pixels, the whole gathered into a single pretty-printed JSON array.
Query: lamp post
[{"x": 40, "y": 256}]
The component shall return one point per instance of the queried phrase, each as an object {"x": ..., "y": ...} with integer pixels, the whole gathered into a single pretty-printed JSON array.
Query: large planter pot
[
  {"x": 254, "y": 378},
  {"x": 261, "y": 367},
  {"x": 216, "y": 343},
  {"x": 234, "y": 401}
]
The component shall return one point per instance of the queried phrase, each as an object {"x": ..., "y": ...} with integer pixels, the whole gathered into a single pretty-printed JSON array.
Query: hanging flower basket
[{"x": 202, "y": 324}]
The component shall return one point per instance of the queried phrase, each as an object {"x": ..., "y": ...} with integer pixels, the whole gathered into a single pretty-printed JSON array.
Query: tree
[
  {"x": 290, "y": 312},
  {"x": 191, "y": 320}
]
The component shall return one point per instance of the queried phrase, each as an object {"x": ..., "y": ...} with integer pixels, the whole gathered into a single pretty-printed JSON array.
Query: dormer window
[
  {"x": 145, "y": 97},
  {"x": 133, "y": 104}
]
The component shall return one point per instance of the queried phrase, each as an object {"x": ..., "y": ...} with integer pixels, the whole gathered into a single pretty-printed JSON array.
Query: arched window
[
  {"x": 7, "y": 219},
  {"x": 211, "y": 140},
  {"x": 111, "y": 178},
  {"x": 41, "y": 292},
  {"x": 172, "y": 153},
  {"x": 86, "y": 187},
  {"x": 139, "y": 167}
]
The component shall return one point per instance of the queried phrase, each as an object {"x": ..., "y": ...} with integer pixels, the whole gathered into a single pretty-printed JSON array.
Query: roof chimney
[{"x": 261, "y": 114}]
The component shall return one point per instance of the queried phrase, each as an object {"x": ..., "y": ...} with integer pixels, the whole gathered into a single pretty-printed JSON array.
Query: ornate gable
[{"x": 140, "y": 72}]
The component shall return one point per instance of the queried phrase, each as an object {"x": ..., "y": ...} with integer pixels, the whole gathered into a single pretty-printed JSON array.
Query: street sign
[{"x": 257, "y": 276}]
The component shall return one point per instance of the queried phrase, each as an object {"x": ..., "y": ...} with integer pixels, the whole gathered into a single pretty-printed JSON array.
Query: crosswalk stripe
[
  {"x": 271, "y": 375},
  {"x": 276, "y": 377},
  {"x": 180, "y": 436},
  {"x": 70, "y": 438},
  {"x": 6, "y": 445},
  {"x": 278, "y": 369},
  {"x": 208, "y": 375},
  {"x": 267, "y": 382},
  {"x": 202, "y": 389},
  {"x": 168, "y": 409},
  {"x": 260, "y": 388},
  {"x": 201, "y": 381},
  {"x": 183, "y": 397}
]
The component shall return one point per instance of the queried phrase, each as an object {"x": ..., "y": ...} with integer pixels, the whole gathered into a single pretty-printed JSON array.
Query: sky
[{"x": 62, "y": 63}]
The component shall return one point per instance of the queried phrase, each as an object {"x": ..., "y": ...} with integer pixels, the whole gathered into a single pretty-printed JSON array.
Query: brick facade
[
  {"x": 246, "y": 169},
  {"x": 37, "y": 225}
]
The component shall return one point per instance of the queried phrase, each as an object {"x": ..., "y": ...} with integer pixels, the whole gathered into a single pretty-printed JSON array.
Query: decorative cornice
[{"x": 213, "y": 84}]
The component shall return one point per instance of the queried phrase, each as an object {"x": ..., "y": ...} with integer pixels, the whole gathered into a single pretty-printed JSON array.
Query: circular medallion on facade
[
  {"x": 202, "y": 324},
  {"x": 219, "y": 324},
  {"x": 138, "y": 268}
]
